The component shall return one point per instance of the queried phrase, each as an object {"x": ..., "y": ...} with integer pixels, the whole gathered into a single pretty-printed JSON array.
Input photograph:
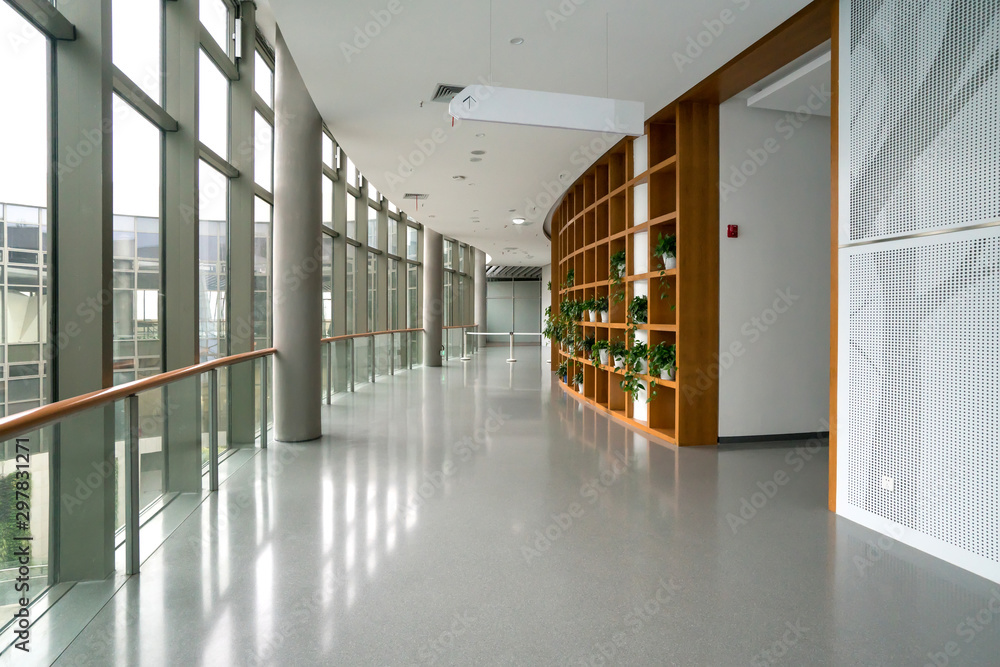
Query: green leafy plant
[
  {"x": 595, "y": 351},
  {"x": 578, "y": 378},
  {"x": 618, "y": 353},
  {"x": 616, "y": 275},
  {"x": 662, "y": 357},
  {"x": 588, "y": 345},
  {"x": 549, "y": 286},
  {"x": 638, "y": 310},
  {"x": 562, "y": 371},
  {"x": 601, "y": 304},
  {"x": 570, "y": 277},
  {"x": 666, "y": 245},
  {"x": 588, "y": 306},
  {"x": 633, "y": 382}
]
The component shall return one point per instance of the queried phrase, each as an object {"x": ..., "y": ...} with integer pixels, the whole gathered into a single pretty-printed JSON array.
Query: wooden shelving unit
[{"x": 677, "y": 169}]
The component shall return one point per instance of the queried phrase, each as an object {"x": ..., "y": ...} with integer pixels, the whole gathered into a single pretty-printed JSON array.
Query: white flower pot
[
  {"x": 579, "y": 388},
  {"x": 668, "y": 373},
  {"x": 604, "y": 357},
  {"x": 605, "y": 317},
  {"x": 593, "y": 316},
  {"x": 620, "y": 362},
  {"x": 643, "y": 367},
  {"x": 669, "y": 263}
]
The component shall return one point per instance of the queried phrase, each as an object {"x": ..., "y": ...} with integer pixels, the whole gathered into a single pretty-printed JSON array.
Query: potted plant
[
  {"x": 599, "y": 352},
  {"x": 638, "y": 355},
  {"x": 663, "y": 361},
  {"x": 617, "y": 275},
  {"x": 570, "y": 277},
  {"x": 588, "y": 345},
  {"x": 632, "y": 383},
  {"x": 590, "y": 305},
  {"x": 578, "y": 381},
  {"x": 562, "y": 371},
  {"x": 618, "y": 352},
  {"x": 601, "y": 306},
  {"x": 638, "y": 310},
  {"x": 666, "y": 248}
]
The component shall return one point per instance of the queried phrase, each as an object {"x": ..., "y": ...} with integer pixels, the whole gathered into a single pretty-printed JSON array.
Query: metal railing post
[
  {"x": 392, "y": 354},
  {"x": 465, "y": 345},
  {"x": 409, "y": 350},
  {"x": 372, "y": 355},
  {"x": 263, "y": 402},
  {"x": 132, "y": 486},
  {"x": 329, "y": 373},
  {"x": 512, "y": 359},
  {"x": 353, "y": 369},
  {"x": 213, "y": 430}
]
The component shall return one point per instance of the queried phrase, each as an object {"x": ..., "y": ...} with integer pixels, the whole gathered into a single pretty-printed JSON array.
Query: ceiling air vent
[
  {"x": 415, "y": 197},
  {"x": 446, "y": 92}
]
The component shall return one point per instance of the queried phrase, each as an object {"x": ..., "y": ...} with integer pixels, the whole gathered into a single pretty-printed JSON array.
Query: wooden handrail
[
  {"x": 370, "y": 334},
  {"x": 461, "y": 326},
  {"x": 32, "y": 420}
]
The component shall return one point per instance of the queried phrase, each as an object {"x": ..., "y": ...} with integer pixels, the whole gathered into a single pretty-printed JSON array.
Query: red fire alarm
[{"x": 734, "y": 231}]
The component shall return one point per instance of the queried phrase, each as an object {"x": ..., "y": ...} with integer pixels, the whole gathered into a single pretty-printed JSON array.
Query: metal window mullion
[
  {"x": 44, "y": 16},
  {"x": 260, "y": 106},
  {"x": 218, "y": 56},
  {"x": 261, "y": 193},
  {"x": 137, "y": 98},
  {"x": 217, "y": 161}
]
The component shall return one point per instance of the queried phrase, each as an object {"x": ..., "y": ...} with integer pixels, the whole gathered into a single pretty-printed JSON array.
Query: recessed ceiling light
[
  {"x": 479, "y": 152},
  {"x": 518, "y": 221},
  {"x": 517, "y": 41},
  {"x": 480, "y": 135},
  {"x": 513, "y": 210},
  {"x": 476, "y": 159}
]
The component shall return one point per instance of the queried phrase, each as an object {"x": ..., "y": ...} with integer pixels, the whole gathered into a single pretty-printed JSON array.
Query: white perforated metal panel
[
  {"x": 919, "y": 385},
  {"x": 924, "y": 397},
  {"x": 925, "y": 127}
]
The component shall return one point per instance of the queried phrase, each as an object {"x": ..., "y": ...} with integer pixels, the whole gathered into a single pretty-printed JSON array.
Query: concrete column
[
  {"x": 240, "y": 379},
  {"x": 433, "y": 301},
  {"x": 298, "y": 253},
  {"x": 179, "y": 234},
  {"x": 479, "y": 276},
  {"x": 81, "y": 288}
]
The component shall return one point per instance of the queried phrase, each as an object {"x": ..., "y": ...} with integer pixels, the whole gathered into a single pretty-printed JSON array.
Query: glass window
[
  {"x": 393, "y": 295},
  {"x": 393, "y": 208},
  {"x": 136, "y": 42},
  {"x": 411, "y": 243},
  {"x": 213, "y": 106},
  {"x": 262, "y": 274},
  {"x": 214, "y": 16},
  {"x": 412, "y": 304},
  {"x": 328, "y": 159},
  {"x": 24, "y": 311},
  {"x": 372, "y": 227},
  {"x": 448, "y": 259},
  {"x": 213, "y": 233},
  {"x": 327, "y": 286},
  {"x": 352, "y": 173},
  {"x": 263, "y": 151},
  {"x": 372, "y": 291},
  {"x": 461, "y": 258},
  {"x": 263, "y": 82},
  {"x": 349, "y": 289},
  {"x": 136, "y": 205},
  {"x": 448, "y": 275},
  {"x": 393, "y": 236},
  {"x": 373, "y": 193},
  {"x": 327, "y": 202},
  {"x": 352, "y": 215}
]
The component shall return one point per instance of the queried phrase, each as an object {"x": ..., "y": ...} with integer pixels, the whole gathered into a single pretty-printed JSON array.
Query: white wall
[{"x": 774, "y": 366}]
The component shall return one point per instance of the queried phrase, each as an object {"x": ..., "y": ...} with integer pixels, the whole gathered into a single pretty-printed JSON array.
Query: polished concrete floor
[{"x": 466, "y": 516}]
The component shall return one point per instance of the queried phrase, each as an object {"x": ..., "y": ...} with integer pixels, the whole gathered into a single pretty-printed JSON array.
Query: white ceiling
[
  {"x": 802, "y": 86},
  {"x": 620, "y": 48}
]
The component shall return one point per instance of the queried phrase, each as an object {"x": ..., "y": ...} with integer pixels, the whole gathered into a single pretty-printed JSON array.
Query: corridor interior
[{"x": 471, "y": 515}]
